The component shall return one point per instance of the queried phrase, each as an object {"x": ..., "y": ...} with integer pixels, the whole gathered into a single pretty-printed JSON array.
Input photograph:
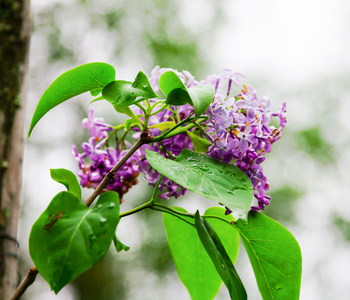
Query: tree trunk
[{"x": 14, "y": 42}]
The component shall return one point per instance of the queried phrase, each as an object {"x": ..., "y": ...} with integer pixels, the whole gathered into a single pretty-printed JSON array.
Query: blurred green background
[{"x": 296, "y": 52}]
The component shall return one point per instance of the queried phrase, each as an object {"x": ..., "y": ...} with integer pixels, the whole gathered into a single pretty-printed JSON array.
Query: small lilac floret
[
  {"x": 246, "y": 138},
  {"x": 97, "y": 127}
]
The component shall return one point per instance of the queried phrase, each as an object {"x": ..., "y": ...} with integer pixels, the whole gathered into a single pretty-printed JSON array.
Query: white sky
[{"x": 292, "y": 41}]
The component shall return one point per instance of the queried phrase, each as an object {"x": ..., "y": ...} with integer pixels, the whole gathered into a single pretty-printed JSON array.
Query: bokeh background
[{"x": 294, "y": 51}]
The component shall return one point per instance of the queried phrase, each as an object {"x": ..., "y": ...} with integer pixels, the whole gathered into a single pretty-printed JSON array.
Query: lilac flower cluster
[
  {"x": 238, "y": 128},
  {"x": 95, "y": 162}
]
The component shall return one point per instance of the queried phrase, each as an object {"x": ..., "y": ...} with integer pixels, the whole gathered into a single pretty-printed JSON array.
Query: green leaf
[
  {"x": 163, "y": 126},
  {"x": 199, "y": 97},
  {"x": 95, "y": 92},
  {"x": 208, "y": 177},
  {"x": 76, "y": 81},
  {"x": 169, "y": 81},
  {"x": 200, "y": 145},
  {"x": 68, "y": 179},
  {"x": 193, "y": 264},
  {"x": 69, "y": 238},
  {"x": 125, "y": 93},
  {"x": 275, "y": 257},
  {"x": 220, "y": 258},
  {"x": 228, "y": 236},
  {"x": 202, "y": 96},
  {"x": 119, "y": 246},
  {"x": 178, "y": 97}
]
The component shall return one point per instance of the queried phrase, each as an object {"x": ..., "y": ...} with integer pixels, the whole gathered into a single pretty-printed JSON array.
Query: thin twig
[
  {"x": 27, "y": 281},
  {"x": 142, "y": 140}
]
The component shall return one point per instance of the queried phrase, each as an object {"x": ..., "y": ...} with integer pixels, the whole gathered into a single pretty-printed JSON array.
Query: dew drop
[
  {"x": 278, "y": 287},
  {"x": 175, "y": 167},
  {"x": 92, "y": 238},
  {"x": 145, "y": 86},
  {"x": 232, "y": 192},
  {"x": 103, "y": 221},
  {"x": 211, "y": 173},
  {"x": 223, "y": 266},
  {"x": 111, "y": 205},
  {"x": 190, "y": 158},
  {"x": 200, "y": 167}
]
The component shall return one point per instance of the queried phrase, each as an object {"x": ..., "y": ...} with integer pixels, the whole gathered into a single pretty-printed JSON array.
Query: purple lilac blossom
[
  {"x": 238, "y": 127},
  {"x": 248, "y": 137},
  {"x": 95, "y": 163},
  {"x": 97, "y": 127}
]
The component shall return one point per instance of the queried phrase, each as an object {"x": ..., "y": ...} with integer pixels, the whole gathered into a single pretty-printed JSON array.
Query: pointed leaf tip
[
  {"x": 68, "y": 179},
  {"x": 84, "y": 78}
]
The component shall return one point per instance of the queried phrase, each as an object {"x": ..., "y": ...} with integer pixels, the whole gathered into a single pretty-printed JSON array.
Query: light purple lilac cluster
[
  {"x": 97, "y": 159},
  {"x": 238, "y": 127},
  {"x": 240, "y": 130}
]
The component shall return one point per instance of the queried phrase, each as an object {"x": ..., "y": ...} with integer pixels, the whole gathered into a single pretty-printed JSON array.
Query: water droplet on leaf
[
  {"x": 111, "y": 205},
  {"x": 232, "y": 192},
  {"x": 190, "y": 158},
  {"x": 200, "y": 167},
  {"x": 92, "y": 238},
  {"x": 103, "y": 221},
  {"x": 278, "y": 287}
]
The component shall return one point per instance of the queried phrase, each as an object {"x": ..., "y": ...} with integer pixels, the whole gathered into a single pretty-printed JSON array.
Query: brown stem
[{"x": 27, "y": 281}]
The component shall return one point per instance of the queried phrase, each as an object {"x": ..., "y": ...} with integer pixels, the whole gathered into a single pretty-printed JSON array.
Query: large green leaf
[
  {"x": 69, "y": 238},
  {"x": 177, "y": 93},
  {"x": 87, "y": 77},
  {"x": 125, "y": 93},
  {"x": 275, "y": 257},
  {"x": 208, "y": 177},
  {"x": 222, "y": 262},
  {"x": 193, "y": 264},
  {"x": 68, "y": 179}
]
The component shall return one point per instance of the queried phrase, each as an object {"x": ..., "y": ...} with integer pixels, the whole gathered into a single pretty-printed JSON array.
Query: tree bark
[{"x": 14, "y": 44}]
